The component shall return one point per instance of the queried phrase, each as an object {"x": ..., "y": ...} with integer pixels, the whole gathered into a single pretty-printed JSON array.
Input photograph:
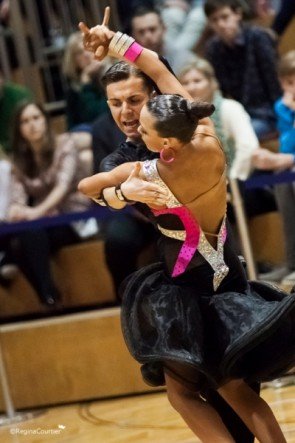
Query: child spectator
[
  {"x": 285, "y": 106},
  {"x": 285, "y": 159},
  {"x": 244, "y": 59},
  {"x": 285, "y": 193}
]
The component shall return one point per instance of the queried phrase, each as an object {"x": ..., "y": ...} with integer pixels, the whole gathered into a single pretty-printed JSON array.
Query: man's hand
[
  {"x": 98, "y": 38},
  {"x": 139, "y": 190}
]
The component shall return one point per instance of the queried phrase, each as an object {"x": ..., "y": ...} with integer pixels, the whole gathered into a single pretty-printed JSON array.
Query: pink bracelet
[{"x": 133, "y": 52}]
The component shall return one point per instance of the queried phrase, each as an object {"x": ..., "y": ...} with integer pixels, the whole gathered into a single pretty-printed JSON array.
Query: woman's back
[{"x": 201, "y": 189}]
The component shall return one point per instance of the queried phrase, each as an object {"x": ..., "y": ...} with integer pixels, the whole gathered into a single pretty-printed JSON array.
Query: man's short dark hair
[
  {"x": 211, "y": 6},
  {"x": 123, "y": 71},
  {"x": 141, "y": 11},
  {"x": 144, "y": 10}
]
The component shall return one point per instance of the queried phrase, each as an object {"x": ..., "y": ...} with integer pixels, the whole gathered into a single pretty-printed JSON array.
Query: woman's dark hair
[
  {"x": 177, "y": 117},
  {"x": 22, "y": 153},
  {"x": 123, "y": 71}
]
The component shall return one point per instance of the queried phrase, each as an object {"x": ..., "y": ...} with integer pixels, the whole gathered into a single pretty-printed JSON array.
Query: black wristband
[
  {"x": 99, "y": 200},
  {"x": 119, "y": 193},
  {"x": 106, "y": 202},
  {"x": 121, "y": 196}
]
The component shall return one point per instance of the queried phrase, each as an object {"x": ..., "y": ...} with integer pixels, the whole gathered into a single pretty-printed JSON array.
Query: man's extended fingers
[
  {"x": 106, "y": 17},
  {"x": 83, "y": 28}
]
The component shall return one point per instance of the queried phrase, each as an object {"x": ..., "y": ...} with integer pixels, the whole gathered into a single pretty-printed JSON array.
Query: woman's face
[
  {"x": 33, "y": 124},
  {"x": 148, "y": 132},
  {"x": 197, "y": 85}
]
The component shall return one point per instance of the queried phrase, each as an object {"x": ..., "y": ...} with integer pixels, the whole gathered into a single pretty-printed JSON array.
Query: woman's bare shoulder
[{"x": 205, "y": 139}]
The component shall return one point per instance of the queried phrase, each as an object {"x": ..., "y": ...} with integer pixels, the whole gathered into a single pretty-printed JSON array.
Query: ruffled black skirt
[{"x": 205, "y": 338}]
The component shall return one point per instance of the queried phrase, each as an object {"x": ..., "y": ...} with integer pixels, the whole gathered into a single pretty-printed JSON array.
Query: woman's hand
[
  {"x": 18, "y": 213},
  {"x": 21, "y": 213},
  {"x": 139, "y": 190},
  {"x": 270, "y": 161},
  {"x": 98, "y": 38}
]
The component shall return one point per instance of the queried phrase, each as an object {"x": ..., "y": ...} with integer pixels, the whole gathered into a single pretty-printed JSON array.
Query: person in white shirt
[{"x": 232, "y": 122}]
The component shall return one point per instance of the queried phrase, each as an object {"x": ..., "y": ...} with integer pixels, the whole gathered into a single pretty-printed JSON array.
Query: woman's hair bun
[{"x": 198, "y": 110}]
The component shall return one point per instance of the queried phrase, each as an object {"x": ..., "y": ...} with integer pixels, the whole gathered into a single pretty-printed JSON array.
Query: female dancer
[{"x": 195, "y": 321}]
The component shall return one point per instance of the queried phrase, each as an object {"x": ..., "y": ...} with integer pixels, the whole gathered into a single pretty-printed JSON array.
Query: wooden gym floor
[{"x": 137, "y": 419}]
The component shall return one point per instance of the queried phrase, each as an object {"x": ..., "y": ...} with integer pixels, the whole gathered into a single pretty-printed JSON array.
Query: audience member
[
  {"x": 231, "y": 121},
  {"x": 148, "y": 29},
  {"x": 285, "y": 159},
  {"x": 44, "y": 181},
  {"x": 125, "y": 10},
  {"x": 244, "y": 59},
  {"x": 11, "y": 94},
  {"x": 85, "y": 99}
]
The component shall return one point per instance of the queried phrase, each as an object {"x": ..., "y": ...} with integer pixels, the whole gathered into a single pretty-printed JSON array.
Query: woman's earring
[{"x": 166, "y": 159}]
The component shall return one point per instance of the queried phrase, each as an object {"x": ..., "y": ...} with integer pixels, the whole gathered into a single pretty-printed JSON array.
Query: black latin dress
[{"x": 195, "y": 314}]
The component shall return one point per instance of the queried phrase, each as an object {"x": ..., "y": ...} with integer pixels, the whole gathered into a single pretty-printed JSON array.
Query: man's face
[
  {"x": 226, "y": 23},
  {"x": 148, "y": 31},
  {"x": 126, "y": 99}
]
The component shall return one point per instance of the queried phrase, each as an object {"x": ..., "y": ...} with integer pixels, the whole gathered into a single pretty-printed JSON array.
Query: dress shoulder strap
[{"x": 211, "y": 135}]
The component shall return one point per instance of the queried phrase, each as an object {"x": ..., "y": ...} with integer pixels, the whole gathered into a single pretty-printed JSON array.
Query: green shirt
[{"x": 10, "y": 97}]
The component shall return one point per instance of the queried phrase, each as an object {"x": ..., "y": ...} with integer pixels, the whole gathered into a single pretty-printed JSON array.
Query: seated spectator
[
  {"x": 244, "y": 60},
  {"x": 85, "y": 99},
  {"x": 11, "y": 94},
  {"x": 231, "y": 121},
  {"x": 46, "y": 171},
  {"x": 285, "y": 159},
  {"x": 148, "y": 29}
]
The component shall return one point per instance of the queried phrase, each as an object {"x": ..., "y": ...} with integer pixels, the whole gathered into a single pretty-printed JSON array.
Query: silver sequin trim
[
  {"x": 151, "y": 172},
  {"x": 215, "y": 257},
  {"x": 173, "y": 233}
]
